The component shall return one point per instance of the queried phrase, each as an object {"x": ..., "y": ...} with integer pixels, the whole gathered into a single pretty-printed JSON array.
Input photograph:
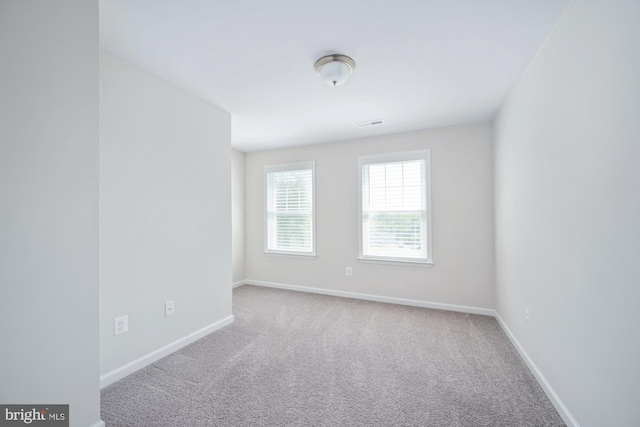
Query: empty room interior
[{"x": 298, "y": 213}]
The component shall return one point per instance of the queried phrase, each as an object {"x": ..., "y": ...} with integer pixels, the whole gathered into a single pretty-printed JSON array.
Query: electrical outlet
[
  {"x": 120, "y": 325},
  {"x": 169, "y": 309},
  {"x": 349, "y": 272},
  {"x": 526, "y": 315}
]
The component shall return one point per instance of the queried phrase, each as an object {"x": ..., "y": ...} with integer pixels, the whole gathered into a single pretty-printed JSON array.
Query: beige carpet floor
[{"x": 298, "y": 359}]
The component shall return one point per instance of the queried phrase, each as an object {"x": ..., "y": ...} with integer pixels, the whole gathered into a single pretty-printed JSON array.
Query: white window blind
[
  {"x": 290, "y": 209},
  {"x": 394, "y": 216}
]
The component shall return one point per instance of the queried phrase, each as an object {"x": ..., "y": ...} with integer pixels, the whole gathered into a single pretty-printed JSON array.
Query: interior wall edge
[
  {"x": 555, "y": 399},
  {"x": 377, "y": 298},
  {"x": 146, "y": 360}
]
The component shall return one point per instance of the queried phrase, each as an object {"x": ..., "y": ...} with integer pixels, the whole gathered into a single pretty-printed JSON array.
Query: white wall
[
  {"x": 462, "y": 199},
  {"x": 49, "y": 205},
  {"x": 568, "y": 209},
  {"x": 237, "y": 216},
  {"x": 165, "y": 212}
]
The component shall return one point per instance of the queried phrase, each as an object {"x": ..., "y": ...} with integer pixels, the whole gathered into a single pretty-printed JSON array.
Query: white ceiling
[{"x": 420, "y": 64}]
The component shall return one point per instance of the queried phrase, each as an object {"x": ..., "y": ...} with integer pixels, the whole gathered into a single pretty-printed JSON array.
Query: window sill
[
  {"x": 290, "y": 254},
  {"x": 389, "y": 261}
]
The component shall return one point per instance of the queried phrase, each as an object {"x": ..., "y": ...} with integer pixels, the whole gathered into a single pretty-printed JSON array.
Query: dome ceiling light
[{"x": 334, "y": 70}]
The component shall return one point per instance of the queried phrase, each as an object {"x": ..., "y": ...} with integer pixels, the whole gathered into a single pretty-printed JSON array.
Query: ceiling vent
[{"x": 370, "y": 123}]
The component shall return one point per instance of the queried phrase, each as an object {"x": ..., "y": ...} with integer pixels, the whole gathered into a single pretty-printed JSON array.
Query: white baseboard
[
  {"x": 129, "y": 368},
  {"x": 121, "y": 372},
  {"x": 546, "y": 387},
  {"x": 567, "y": 417},
  {"x": 239, "y": 283},
  {"x": 391, "y": 300}
]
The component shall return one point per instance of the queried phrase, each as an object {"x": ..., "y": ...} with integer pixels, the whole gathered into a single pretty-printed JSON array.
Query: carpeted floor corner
[{"x": 298, "y": 359}]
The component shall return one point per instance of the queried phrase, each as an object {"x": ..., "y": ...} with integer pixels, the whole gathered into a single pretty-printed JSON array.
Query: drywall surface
[
  {"x": 462, "y": 213},
  {"x": 568, "y": 209},
  {"x": 49, "y": 206},
  {"x": 237, "y": 216},
  {"x": 165, "y": 212}
]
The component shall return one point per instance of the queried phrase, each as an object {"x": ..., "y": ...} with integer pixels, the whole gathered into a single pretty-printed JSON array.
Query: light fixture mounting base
[{"x": 334, "y": 57}]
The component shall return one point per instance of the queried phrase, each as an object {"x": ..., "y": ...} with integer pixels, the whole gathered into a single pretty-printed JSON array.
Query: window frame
[
  {"x": 284, "y": 167},
  {"x": 390, "y": 158}
]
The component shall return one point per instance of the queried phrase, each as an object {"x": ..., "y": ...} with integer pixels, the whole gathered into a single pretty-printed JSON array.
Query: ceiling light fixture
[{"x": 334, "y": 70}]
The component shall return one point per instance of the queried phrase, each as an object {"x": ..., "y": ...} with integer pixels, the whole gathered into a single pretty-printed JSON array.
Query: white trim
[
  {"x": 129, "y": 368},
  {"x": 424, "y": 155},
  {"x": 378, "y": 298},
  {"x": 238, "y": 283},
  {"x": 266, "y": 169},
  {"x": 98, "y": 424},
  {"x": 391, "y": 261},
  {"x": 429, "y": 210},
  {"x": 562, "y": 409},
  {"x": 394, "y": 157},
  {"x": 291, "y": 254}
]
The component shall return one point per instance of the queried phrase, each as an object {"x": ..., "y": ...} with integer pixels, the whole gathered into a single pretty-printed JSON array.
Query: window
[
  {"x": 395, "y": 207},
  {"x": 290, "y": 209}
]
